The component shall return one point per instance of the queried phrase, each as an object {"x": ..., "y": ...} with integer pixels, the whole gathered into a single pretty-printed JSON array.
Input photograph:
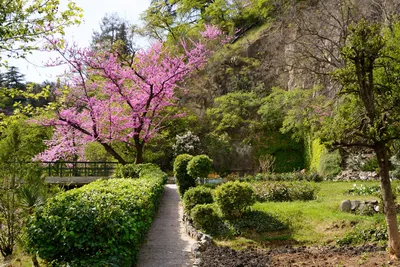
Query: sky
[{"x": 94, "y": 10}]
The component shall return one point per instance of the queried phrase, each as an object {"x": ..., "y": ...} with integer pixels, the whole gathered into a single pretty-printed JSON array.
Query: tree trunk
[
  {"x": 388, "y": 201},
  {"x": 139, "y": 149},
  {"x": 35, "y": 261},
  {"x": 113, "y": 153}
]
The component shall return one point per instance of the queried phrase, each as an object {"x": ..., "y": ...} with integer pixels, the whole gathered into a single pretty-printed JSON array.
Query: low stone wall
[
  {"x": 202, "y": 240},
  {"x": 357, "y": 206},
  {"x": 351, "y": 175}
]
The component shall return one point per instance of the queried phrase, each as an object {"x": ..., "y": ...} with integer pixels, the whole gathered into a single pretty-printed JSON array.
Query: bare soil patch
[{"x": 366, "y": 255}]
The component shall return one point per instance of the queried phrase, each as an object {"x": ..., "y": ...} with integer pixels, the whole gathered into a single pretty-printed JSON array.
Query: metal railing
[{"x": 79, "y": 169}]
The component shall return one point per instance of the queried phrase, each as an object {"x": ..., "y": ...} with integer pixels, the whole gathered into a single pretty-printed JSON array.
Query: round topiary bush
[
  {"x": 205, "y": 217},
  {"x": 199, "y": 166},
  {"x": 183, "y": 179},
  {"x": 233, "y": 198},
  {"x": 195, "y": 196}
]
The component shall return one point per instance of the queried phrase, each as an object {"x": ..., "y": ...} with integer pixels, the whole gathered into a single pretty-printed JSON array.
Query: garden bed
[{"x": 366, "y": 255}]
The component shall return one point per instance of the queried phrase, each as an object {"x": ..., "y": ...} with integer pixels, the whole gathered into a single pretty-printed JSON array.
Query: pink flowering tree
[{"x": 109, "y": 101}]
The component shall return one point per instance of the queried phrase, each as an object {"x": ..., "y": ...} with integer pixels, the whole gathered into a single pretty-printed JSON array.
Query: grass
[{"x": 317, "y": 222}]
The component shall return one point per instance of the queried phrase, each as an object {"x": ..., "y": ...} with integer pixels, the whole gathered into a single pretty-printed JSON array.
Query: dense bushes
[
  {"x": 100, "y": 224},
  {"x": 133, "y": 170},
  {"x": 289, "y": 176},
  {"x": 280, "y": 191},
  {"x": 205, "y": 217},
  {"x": 199, "y": 166},
  {"x": 196, "y": 195},
  {"x": 322, "y": 161},
  {"x": 233, "y": 198},
  {"x": 183, "y": 179},
  {"x": 188, "y": 168}
]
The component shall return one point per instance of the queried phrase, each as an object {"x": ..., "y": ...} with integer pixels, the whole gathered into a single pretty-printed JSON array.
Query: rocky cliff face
[{"x": 298, "y": 48}]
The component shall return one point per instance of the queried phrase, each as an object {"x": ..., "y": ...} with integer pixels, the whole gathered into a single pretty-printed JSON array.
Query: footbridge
[{"x": 77, "y": 173}]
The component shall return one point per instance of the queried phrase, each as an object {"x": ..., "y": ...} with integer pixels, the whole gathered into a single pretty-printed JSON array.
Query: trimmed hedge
[
  {"x": 234, "y": 198},
  {"x": 195, "y": 196},
  {"x": 285, "y": 191},
  {"x": 199, "y": 166},
  {"x": 133, "y": 170},
  {"x": 205, "y": 217},
  {"x": 100, "y": 224},
  {"x": 183, "y": 179}
]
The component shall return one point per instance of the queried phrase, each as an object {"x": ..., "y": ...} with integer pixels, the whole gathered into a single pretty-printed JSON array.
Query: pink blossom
[{"x": 107, "y": 102}]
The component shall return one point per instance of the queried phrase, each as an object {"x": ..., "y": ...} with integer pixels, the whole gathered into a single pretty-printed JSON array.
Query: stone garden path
[{"x": 167, "y": 244}]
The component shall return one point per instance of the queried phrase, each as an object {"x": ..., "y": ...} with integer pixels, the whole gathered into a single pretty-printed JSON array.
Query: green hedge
[
  {"x": 234, "y": 198},
  {"x": 284, "y": 191},
  {"x": 133, "y": 170},
  {"x": 195, "y": 196},
  {"x": 183, "y": 179},
  {"x": 101, "y": 224}
]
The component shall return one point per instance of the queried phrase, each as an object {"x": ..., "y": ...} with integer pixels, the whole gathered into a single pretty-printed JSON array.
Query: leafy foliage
[
  {"x": 188, "y": 143},
  {"x": 195, "y": 196},
  {"x": 134, "y": 170},
  {"x": 103, "y": 223},
  {"x": 115, "y": 35},
  {"x": 234, "y": 198},
  {"x": 183, "y": 179},
  {"x": 361, "y": 235},
  {"x": 24, "y": 22},
  {"x": 283, "y": 191},
  {"x": 289, "y": 176},
  {"x": 205, "y": 217},
  {"x": 258, "y": 221},
  {"x": 325, "y": 163},
  {"x": 199, "y": 166}
]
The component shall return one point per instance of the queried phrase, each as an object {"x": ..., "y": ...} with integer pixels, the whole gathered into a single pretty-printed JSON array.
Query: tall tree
[
  {"x": 367, "y": 111},
  {"x": 114, "y": 29},
  {"x": 108, "y": 102},
  {"x": 13, "y": 79}
]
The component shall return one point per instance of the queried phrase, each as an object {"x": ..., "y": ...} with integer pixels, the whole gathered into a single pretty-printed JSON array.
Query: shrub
[
  {"x": 289, "y": 176},
  {"x": 277, "y": 192},
  {"x": 100, "y": 224},
  {"x": 199, "y": 166},
  {"x": 183, "y": 179},
  {"x": 376, "y": 233},
  {"x": 233, "y": 198},
  {"x": 364, "y": 190},
  {"x": 370, "y": 165},
  {"x": 283, "y": 191},
  {"x": 133, "y": 170},
  {"x": 330, "y": 164},
  {"x": 195, "y": 196},
  {"x": 325, "y": 163},
  {"x": 187, "y": 143},
  {"x": 205, "y": 217},
  {"x": 259, "y": 221}
]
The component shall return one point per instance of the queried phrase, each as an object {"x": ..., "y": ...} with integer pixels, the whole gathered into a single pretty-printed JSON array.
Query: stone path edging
[{"x": 202, "y": 240}]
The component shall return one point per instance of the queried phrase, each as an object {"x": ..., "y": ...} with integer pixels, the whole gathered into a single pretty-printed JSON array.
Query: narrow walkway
[{"x": 167, "y": 244}]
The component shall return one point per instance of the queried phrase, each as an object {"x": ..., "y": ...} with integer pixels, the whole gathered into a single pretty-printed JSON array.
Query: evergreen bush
[
  {"x": 199, "y": 166},
  {"x": 195, "y": 196},
  {"x": 233, "y": 198},
  {"x": 205, "y": 218},
  {"x": 133, "y": 170},
  {"x": 183, "y": 179}
]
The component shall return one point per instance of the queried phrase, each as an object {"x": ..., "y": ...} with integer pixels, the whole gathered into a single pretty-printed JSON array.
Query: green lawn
[{"x": 317, "y": 222}]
